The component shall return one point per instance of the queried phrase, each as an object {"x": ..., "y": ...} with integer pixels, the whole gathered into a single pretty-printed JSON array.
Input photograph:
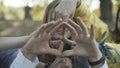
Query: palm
[
  {"x": 85, "y": 44},
  {"x": 39, "y": 42}
]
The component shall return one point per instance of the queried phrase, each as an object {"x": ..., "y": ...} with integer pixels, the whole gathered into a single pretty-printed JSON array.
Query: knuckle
[
  {"x": 44, "y": 25},
  {"x": 61, "y": 42}
]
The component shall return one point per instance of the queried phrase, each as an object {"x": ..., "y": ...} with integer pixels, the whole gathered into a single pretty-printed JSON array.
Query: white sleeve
[
  {"x": 21, "y": 62},
  {"x": 105, "y": 65}
]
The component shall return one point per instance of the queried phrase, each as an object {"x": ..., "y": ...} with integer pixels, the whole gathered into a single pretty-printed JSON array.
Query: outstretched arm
[
  {"x": 38, "y": 44},
  {"x": 12, "y": 42}
]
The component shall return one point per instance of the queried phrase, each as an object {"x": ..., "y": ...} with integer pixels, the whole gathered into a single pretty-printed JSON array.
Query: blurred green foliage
[
  {"x": 37, "y": 12},
  {"x": 12, "y": 21},
  {"x": 10, "y": 13},
  {"x": 118, "y": 3}
]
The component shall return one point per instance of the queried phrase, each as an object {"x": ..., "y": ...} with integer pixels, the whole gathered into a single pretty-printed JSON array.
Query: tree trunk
[
  {"x": 106, "y": 12},
  {"x": 27, "y": 13}
]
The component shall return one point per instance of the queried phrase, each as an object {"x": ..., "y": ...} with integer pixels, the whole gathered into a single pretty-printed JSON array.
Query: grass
[{"x": 17, "y": 27}]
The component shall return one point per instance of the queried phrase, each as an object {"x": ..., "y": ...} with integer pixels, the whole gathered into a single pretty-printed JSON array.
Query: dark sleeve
[{"x": 7, "y": 57}]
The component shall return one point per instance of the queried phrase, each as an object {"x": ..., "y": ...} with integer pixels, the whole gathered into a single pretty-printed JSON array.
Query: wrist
[
  {"x": 25, "y": 38},
  {"x": 95, "y": 58},
  {"x": 98, "y": 63},
  {"x": 28, "y": 53}
]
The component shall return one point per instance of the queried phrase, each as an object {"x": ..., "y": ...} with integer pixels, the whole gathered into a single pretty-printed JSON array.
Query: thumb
[
  {"x": 54, "y": 52},
  {"x": 40, "y": 65},
  {"x": 68, "y": 53},
  {"x": 70, "y": 42}
]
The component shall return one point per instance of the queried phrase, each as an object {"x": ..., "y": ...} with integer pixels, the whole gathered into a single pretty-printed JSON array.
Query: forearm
[
  {"x": 12, "y": 42},
  {"x": 27, "y": 52}
]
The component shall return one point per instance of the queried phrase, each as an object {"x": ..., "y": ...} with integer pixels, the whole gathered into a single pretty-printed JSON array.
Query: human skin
[
  {"x": 39, "y": 43},
  {"x": 86, "y": 44},
  {"x": 12, "y": 42},
  {"x": 94, "y": 43},
  {"x": 61, "y": 12},
  {"x": 7, "y": 43},
  {"x": 61, "y": 62},
  {"x": 66, "y": 13},
  {"x": 67, "y": 31}
]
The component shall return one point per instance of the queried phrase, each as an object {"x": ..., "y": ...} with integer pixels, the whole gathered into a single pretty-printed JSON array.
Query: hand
[
  {"x": 40, "y": 65},
  {"x": 65, "y": 9},
  {"x": 59, "y": 61},
  {"x": 84, "y": 43},
  {"x": 39, "y": 43}
]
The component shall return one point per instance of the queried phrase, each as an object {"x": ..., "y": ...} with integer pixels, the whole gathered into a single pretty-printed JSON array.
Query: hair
[
  {"x": 50, "y": 58},
  {"x": 49, "y": 10},
  {"x": 116, "y": 32}
]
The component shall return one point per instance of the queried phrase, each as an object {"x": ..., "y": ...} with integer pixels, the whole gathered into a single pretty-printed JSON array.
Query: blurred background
[{"x": 21, "y": 17}]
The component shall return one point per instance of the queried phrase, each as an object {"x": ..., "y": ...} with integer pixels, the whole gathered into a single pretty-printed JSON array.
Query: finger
[
  {"x": 36, "y": 32},
  {"x": 61, "y": 46},
  {"x": 68, "y": 53},
  {"x": 40, "y": 65},
  {"x": 82, "y": 25},
  {"x": 33, "y": 33},
  {"x": 92, "y": 36},
  {"x": 31, "y": 40},
  {"x": 55, "y": 42},
  {"x": 58, "y": 15},
  {"x": 65, "y": 17},
  {"x": 54, "y": 52},
  {"x": 43, "y": 28},
  {"x": 77, "y": 27},
  {"x": 52, "y": 26},
  {"x": 68, "y": 63},
  {"x": 71, "y": 29},
  {"x": 59, "y": 25},
  {"x": 69, "y": 42}
]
